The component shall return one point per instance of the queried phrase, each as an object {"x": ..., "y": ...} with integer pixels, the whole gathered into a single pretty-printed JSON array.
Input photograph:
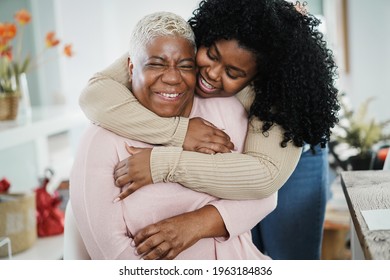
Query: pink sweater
[{"x": 107, "y": 227}]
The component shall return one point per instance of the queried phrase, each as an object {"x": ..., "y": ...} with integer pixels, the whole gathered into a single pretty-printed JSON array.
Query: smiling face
[
  {"x": 163, "y": 76},
  {"x": 224, "y": 69}
]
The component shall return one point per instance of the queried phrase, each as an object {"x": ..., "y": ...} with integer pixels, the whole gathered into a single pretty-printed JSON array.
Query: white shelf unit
[
  {"x": 38, "y": 141},
  {"x": 29, "y": 141}
]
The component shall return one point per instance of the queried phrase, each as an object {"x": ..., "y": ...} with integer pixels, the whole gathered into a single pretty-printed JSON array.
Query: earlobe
[{"x": 130, "y": 69}]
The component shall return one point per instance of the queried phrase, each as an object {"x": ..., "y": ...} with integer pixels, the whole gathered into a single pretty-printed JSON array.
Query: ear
[{"x": 130, "y": 68}]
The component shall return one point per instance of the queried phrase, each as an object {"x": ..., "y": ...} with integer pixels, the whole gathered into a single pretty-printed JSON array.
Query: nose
[
  {"x": 214, "y": 72},
  {"x": 171, "y": 75}
]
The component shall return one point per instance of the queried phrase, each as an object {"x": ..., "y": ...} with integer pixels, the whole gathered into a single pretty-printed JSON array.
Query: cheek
[
  {"x": 201, "y": 58},
  {"x": 231, "y": 87},
  {"x": 190, "y": 80},
  {"x": 145, "y": 81}
]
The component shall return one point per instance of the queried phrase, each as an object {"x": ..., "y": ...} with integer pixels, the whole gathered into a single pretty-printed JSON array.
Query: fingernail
[
  {"x": 136, "y": 252},
  {"x": 116, "y": 200},
  {"x": 132, "y": 243}
]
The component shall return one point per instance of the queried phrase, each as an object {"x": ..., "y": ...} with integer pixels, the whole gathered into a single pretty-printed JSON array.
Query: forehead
[
  {"x": 170, "y": 47},
  {"x": 232, "y": 53}
]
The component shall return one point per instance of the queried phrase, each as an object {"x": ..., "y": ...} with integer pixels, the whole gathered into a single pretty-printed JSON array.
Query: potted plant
[
  {"x": 14, "y": 66},
  {"x": 360, "y": 133}
]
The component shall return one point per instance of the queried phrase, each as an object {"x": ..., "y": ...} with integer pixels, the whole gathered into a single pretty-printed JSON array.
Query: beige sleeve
[
  {"x": 261, "y": 170},
  {"x": 108, "y": 102}
]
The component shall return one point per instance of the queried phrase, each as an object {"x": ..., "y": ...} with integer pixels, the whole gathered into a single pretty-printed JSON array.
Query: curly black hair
[{"x": 294, "y": 86}]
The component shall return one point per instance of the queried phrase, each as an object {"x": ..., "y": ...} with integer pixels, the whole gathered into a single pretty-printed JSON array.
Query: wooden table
[{"x": 368, "y": 190}]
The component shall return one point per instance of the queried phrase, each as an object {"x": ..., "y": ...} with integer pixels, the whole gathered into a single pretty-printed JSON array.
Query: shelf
[
  {"x": 47, "y": 140},
  {"x": 45, "y": 121}
]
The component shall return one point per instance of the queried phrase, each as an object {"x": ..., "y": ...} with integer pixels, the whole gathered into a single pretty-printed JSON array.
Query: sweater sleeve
[
  {"x": 254, "y": 211},
  {"x": 108, "y": 102},
  {"x": 259, "y": 171}
]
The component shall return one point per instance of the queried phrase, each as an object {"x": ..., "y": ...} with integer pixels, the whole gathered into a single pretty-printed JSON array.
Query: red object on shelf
[
  {"x": 50, "y": 218},
  {"x": 4, "y": 185}
]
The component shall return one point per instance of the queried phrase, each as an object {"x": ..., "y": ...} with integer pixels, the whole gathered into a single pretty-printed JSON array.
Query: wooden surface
[{"x": 368, "y": 190}]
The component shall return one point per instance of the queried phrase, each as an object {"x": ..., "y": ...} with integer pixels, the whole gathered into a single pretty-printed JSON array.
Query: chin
[
  {"x": 167, "y": 114},
  {"x": 201, "y": 93}
]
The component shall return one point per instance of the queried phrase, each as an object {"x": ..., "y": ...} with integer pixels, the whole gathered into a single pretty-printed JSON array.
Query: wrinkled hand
[
  {"x": 202, "y": 136},
  {"x": 133, "y": 171},
  {"x": 167, "y": 238}
]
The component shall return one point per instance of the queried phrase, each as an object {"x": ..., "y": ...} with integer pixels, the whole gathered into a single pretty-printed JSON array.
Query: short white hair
[{"x": 157, "y": 25}]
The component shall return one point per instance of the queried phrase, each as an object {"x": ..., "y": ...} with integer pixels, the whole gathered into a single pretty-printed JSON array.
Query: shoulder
[
  {"x": 246, "y": 97},
  {"x": 97, "y": 134},
  {"x": 97, "y": 142},
  {"x": 101, "y": 144}
]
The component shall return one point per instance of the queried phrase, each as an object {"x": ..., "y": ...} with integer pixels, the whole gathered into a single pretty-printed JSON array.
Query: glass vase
[{"x": 24, "y": 110}]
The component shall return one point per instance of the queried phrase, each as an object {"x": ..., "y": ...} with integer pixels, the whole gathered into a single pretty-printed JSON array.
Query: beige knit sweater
[{"x": 261, "y": 170}]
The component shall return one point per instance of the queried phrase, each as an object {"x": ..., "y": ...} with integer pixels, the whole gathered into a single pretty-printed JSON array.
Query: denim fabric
[{"x": 294, "y": 229}]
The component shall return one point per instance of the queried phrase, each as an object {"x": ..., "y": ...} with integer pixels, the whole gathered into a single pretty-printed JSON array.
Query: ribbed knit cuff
[
  {"x": 180, "y": 133},
  {"x": 163, "y": 161}
]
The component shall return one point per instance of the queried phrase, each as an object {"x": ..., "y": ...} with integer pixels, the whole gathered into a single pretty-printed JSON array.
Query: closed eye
[
  {"x": 211, "y": 56},
  {"x": 156, "y": 64},
  {"x": 230, "y": 75},
  {"x": 187, "y": 67}
]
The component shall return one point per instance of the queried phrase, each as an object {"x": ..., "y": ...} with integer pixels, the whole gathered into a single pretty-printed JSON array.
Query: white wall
[
  {"x": 369, "y": 50},
  {"x": 99, "y": 31}
]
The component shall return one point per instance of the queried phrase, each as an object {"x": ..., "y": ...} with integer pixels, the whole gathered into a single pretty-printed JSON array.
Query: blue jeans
[{"x": 294, "y": 229}]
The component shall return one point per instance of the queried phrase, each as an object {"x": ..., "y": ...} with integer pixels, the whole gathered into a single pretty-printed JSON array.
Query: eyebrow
[
  {"x": 242, "y": 72},
  {"x": 155, "y": 57}
]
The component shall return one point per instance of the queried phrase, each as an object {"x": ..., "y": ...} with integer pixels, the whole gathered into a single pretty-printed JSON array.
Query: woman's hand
[
  {"x": 202, "y": 136},
  {"x": 168, "y": 238},
  {"x": 135, "y": 170},
  {"x": 165, "y": 239}
]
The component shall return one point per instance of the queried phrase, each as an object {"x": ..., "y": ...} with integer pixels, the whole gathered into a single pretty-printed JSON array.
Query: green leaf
[
  {"x": 361, "y": 131},
  {"x": 25, "y": 65}
]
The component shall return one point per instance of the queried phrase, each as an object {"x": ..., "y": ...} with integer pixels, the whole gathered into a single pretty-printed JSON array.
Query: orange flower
[
  {"x": 12, "y": 61},
  {"x": 68, "y": 50},
  {"x": 51, "y": 40},
  {"x": 7, "y": 31},
  {"x": 23, "y": 17}
]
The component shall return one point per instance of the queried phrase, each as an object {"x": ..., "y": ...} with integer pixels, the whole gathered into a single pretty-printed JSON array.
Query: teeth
[
  {"x": 169, "y": 95},
  {"x": 206, "y": 84}
]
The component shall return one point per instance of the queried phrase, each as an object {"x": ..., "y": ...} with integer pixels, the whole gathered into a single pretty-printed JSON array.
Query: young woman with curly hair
[{"x": 276, "y": 61}]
